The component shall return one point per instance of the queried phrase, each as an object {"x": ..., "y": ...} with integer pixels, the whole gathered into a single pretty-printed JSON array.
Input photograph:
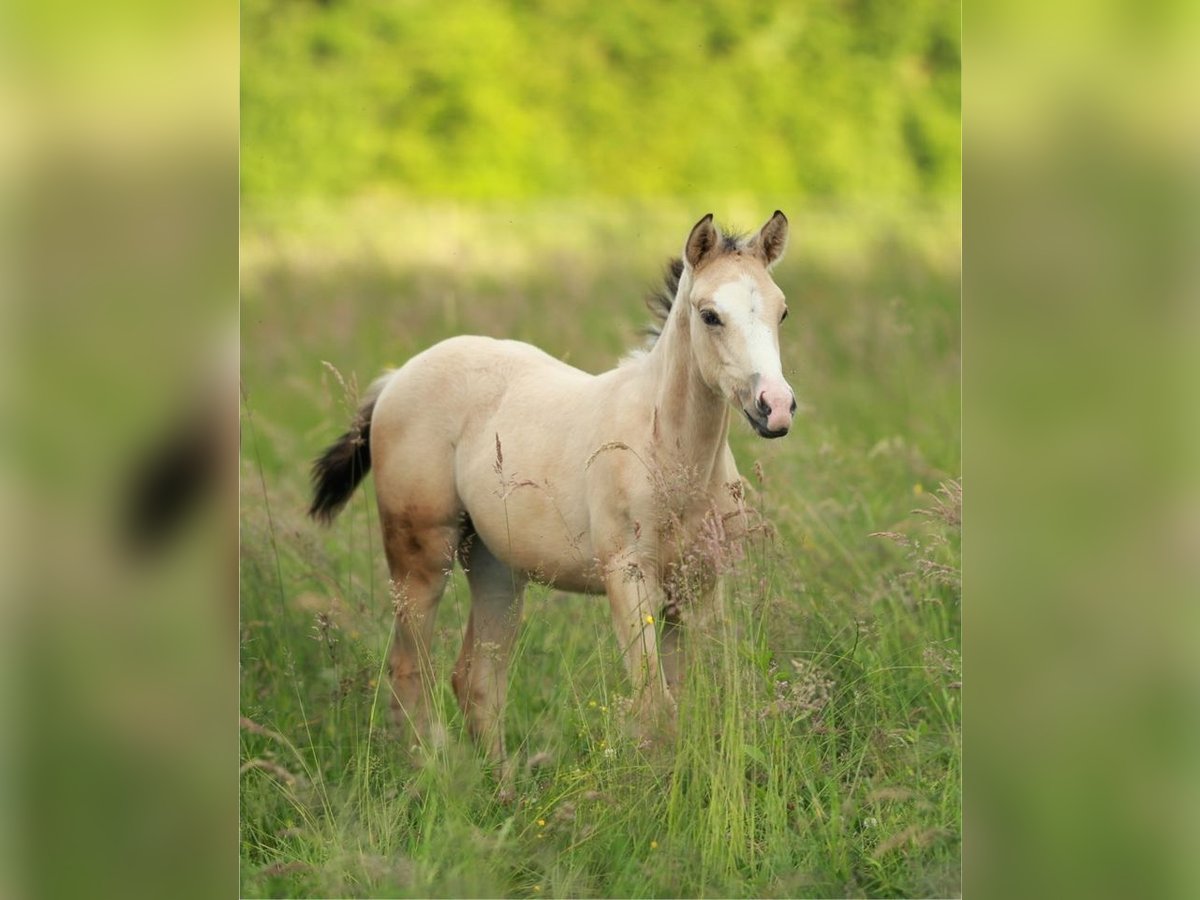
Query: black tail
[{"x": 343, "y": 465}]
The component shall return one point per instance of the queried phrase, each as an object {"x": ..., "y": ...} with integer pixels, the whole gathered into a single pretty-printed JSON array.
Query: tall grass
[{"x": 817, "y": 748}]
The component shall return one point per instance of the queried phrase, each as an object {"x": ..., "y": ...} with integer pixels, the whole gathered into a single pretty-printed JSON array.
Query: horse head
[{"x": 734, "y": 311}]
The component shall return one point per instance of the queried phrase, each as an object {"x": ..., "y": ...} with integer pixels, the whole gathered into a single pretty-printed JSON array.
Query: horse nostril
[
  {"x": 793, "y": 403},
  {"x": 763, "y": 406}
]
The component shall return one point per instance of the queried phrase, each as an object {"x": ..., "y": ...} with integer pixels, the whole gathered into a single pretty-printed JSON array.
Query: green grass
[{"x": 818, "y": 745}]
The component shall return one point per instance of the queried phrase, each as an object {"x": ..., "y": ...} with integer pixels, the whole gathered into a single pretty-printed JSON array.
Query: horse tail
[{"x": 345, "y": 462}]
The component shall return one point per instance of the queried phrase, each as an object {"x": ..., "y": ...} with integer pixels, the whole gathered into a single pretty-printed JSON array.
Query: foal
[{"x": 525, "y": 468}]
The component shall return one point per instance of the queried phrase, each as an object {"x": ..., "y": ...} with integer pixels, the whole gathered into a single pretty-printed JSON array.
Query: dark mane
[{"x": 660, "y": 301}]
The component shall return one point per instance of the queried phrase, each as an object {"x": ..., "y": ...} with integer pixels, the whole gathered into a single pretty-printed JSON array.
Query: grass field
[{"x": 818, "y": 747}]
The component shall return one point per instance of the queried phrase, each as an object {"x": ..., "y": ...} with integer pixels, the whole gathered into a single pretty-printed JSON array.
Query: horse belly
[
  {"x": 520, "y": 467},
  {"x": 529, "y": 512},
  {"x": 523, "y": 526}
]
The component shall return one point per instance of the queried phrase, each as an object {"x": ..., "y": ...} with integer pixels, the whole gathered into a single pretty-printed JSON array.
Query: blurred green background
[
  {"x": 486, "y": 99},
  {"x": 1082, "y": 652},
  {"x": 413, "y": 170}
]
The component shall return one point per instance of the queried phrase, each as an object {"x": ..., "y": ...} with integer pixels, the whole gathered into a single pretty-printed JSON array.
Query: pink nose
[{"x": 777, "y": 402}]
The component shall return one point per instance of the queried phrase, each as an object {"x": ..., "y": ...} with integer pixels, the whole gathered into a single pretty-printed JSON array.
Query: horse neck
[{"x": 692, "y": 423}]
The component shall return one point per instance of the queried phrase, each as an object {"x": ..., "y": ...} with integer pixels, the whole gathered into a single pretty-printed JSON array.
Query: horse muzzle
[
  {"x": 760, "y": 427},
  {"x": 772, "y": 410}
]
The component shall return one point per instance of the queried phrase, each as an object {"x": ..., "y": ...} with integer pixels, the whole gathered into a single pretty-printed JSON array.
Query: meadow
[{"x": 818, "y": 744}]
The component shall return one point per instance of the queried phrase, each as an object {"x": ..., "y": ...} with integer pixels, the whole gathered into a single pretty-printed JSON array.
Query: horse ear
[
  {"x": 702, "y": 241},
  {"x": 771, "y": 240}
]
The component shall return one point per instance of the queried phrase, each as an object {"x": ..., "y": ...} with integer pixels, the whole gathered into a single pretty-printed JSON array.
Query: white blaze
[{"x": 740, "y": 305}]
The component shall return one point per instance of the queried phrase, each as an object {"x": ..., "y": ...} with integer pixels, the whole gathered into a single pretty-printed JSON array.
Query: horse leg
[
  {"x": 634, "y": 597},
  {"x": 683, "y": 617},
  {"x": 672, "y": 646},
  {"x": 420, "y": 555},
  {"x": 480, "y": 676}
]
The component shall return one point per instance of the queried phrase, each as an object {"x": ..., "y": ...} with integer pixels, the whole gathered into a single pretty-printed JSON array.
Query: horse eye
[
  {"x": 784, "y": 316},
  {"x": 708, "y": 317}
]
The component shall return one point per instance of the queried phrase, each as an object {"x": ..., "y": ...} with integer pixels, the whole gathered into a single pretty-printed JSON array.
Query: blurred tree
[{"x": 489, "y": 99}]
